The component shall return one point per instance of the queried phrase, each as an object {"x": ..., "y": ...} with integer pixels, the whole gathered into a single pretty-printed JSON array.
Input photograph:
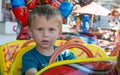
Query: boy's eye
[
  {"x": 51, "y": 29},
  {"x": 40, "y": 29}
]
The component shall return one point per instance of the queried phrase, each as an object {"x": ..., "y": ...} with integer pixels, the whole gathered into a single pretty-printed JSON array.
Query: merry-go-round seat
[
  {"x": 17, "y": 63},
  {"x": 95, "y": 50},
  {"x": 88, "y": 66},
  {"x": 15, "y": 69},
  {"x": 10, "y": 50},
  {"x": 2, "y": 63}
]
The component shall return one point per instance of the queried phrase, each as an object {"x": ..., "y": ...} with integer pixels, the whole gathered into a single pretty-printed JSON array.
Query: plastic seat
[
  {"x": 115, "y": 51},
  {"x": 28, "y": 43},
  {"x": 62, "y": 42},
  {"x": 2, "y": 63},
  {"x": 17, "y": 63},
  {"x": 88, "y": 66},
  {"x": 9, "y": 51},
  {"x": 97, "y": 50}
]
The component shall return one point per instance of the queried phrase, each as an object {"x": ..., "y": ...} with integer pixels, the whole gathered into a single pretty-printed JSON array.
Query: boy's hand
[{"x": 31, "y": 71}]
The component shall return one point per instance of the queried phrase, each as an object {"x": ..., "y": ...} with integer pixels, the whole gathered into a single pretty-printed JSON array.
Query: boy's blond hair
[{"x": 45, "y": 10}]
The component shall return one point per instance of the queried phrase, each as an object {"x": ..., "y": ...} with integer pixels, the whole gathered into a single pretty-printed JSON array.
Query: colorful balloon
[
  {"x": 31, "y": 4},
  {"x": 23, "y": 33},
  {"x": 17, "y": 3},
  {"x": 86, "y": 24},
  {"x": 21, "y": 14},
  {"x": 66, "y": 9},
  {"x": 55, "y": 4}
]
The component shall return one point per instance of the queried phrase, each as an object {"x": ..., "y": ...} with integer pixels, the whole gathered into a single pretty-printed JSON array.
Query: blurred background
[{"x": 10, "y": 30}]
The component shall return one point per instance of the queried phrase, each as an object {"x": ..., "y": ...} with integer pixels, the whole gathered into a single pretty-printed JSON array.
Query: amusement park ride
[{"x": 91, "y": 58}]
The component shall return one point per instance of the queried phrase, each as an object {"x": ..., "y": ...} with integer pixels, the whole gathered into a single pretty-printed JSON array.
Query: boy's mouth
[{"x": 45, "y": 41}]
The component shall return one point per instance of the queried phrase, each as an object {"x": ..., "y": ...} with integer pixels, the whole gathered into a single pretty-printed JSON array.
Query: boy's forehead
[
  {"x": 44, "y": 17},
  {"x": 44, "y": 20}
]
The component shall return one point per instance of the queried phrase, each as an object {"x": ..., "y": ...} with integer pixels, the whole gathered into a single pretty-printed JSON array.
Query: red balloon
[
  {"x": 31, "y": 4},
  {"x": 23, "y": 33},
  {"x": 37, "y": 2},
  {"x": 45, "y": 1},
  {"x": 55, "y": 5},
  {"x": 21, "y": 14},
  {"x": 60, "y": 1}
]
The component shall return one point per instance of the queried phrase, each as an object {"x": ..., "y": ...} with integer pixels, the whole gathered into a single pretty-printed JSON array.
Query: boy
[{"x": 45, "y": 25}]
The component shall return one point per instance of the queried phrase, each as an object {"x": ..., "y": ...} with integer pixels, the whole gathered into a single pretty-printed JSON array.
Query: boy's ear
[
  {"x": 59, "y": 35},
  {"x": 60, "y": 32}
]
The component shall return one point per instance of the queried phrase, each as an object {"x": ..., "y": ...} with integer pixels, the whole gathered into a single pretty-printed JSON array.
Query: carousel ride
[{"x": 90, "y": 56}]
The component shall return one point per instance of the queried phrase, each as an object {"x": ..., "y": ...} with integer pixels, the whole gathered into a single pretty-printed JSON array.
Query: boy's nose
[{"x": 46, "y": 33}]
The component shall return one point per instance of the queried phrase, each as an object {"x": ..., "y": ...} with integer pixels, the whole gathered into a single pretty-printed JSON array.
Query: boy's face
[{"x": 45, "y": 32}]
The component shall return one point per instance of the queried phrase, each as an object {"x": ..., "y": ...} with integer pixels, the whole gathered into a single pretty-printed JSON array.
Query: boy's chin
[{"x": 45, "y": 46}]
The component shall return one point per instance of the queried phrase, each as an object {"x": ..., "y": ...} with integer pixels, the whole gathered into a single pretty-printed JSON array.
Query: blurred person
[
  {"x": 99, "y": 30},
  {"x": 105, "y": 36},
  {"x": 79, "y": 25},
  {"x": 116, "y": 36},
  {"x": 8, "y": 15}
]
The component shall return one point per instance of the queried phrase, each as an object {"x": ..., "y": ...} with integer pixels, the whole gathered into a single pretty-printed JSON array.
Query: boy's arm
[
  {"x": 31, "y": 71},
  {"x": 29, "y": 65}
]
